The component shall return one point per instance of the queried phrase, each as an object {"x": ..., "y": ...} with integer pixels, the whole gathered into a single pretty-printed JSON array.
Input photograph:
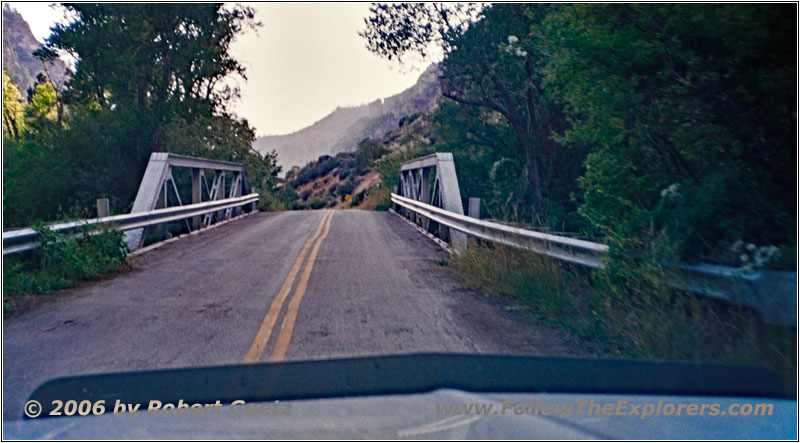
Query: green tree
[
  {"x": 497, "y": 70},
  {"x": 483, "y": 150},
  {"x": 13, "y": 110},
  {"x": 399, "y": 29},
  {"x": 368, "y": 151},
  {"x": 150, "y": 77},
  {"x": 41, "y": 113},
  {"x": 153, "y": 57},
  {"x": 158, "y": 61},
  {"x": 493, "y": 71},
  {"x": 689, "y": 114}
]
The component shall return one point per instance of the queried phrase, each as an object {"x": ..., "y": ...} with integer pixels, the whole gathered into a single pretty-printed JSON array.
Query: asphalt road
[{"x": 268, "y": 287}]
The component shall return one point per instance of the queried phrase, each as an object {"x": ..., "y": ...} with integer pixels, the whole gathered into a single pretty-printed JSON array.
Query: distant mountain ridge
[
  {"x": 344, "y": 128},
  {"x": 18, "y": 45}
]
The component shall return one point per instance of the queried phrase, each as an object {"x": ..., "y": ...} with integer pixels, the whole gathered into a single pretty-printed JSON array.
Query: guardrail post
[
  {"x": 253, "y": 190},
  {"x": 103, "y": 208},
  {"x": 197, "y": 195},
  {"x": 474, "y": 207}
]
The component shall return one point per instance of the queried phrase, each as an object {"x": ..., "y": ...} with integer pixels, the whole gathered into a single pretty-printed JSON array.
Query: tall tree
[
  {"x": 41, "y": 113},
  {"x": 156, "y": 60},
  {"x": 689, "y": 111},
  {"x": 495, "y": 66},
  {"x": 13, "y": 108},
  {"x": 149, "y": 77},
  {"x": 398, "y": 29},
  {"x": 497, "y": 69}
]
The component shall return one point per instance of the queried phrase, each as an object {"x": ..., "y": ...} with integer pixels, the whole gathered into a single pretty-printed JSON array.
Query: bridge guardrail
[
  {"x": 26, "y": 239},
  {"x": 563, "y": 248},
  {"x": 772, "y": 293}
]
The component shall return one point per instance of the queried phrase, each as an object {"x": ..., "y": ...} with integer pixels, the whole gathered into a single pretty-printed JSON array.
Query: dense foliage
[
  {"x": 148, "y": 77},
  {"x": 399, "y": 29},
  {"x": 63, "y": 259},
  {"x": 13, "y": 109},
  {"x": 688, "y": 112},
  {"x": 667, "y": 130}
]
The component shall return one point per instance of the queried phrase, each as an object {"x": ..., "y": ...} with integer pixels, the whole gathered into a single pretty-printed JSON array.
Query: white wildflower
[
  {"x": 671, "y": 191},
  {"x": 765, "y": 254},
  {"x": 521, "y": 53},
  {"x": 512, "y": 39}
]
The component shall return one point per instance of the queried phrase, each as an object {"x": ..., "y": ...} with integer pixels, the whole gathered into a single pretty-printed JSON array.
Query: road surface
[{"x": 268, "y": 287}]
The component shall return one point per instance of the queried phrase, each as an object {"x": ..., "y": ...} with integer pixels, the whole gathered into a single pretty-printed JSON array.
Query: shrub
[
  {"x": 317, "y": 203},
  {"x": 368, "y": 151},
  {"x": 84, "y": 256},
  {"x": 345, "y": 187},
  {"x": 297, "y": 205},
  {"x": 358, "y": 198},
  {"x": 287, "y": 194},
  {"x": 389, "y": 164},
  {"x": 269, "y": 202},
  {"x": 409, "y": 118},
  {"x": 61, "y": 260},
  {"x": 376, "y": 198}
]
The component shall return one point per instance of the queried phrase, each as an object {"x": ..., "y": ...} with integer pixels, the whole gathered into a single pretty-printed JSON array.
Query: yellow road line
[
  {"x": 265, "y": 330},
  {"x": 285, "y": 335}
]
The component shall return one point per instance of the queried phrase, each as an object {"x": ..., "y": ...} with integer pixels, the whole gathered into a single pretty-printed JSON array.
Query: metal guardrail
[
  {"x": 772, "y": 293},
  {"x": 27, "y": 239},
  {"x": 563, "y": 248}
]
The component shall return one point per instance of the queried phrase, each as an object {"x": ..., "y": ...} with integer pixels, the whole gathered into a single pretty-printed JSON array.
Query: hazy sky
[{"x": 304, "y": 61}]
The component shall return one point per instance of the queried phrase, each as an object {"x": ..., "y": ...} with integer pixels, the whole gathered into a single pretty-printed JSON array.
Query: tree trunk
[
  {"x": 528, "y": 146},
  {"x": 535, "y": 178},
  {"x": 141, "y": 92},
  {"x": 158, "y": 139}
]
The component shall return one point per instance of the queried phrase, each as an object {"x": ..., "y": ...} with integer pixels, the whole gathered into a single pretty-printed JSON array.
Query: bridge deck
[{"x": 375, "y": 288}]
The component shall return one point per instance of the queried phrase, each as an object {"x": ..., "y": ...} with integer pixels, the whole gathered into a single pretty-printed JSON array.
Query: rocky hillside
[
  {"x": 328, "y": 180},
  {"x": 18, "y": 44},
  {"x": 344, "y": 128}
]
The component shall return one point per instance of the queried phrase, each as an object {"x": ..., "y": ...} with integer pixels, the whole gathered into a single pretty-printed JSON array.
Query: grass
[
  {"x": 378, "y": 198},
  {"x": 639, "y": 319}
]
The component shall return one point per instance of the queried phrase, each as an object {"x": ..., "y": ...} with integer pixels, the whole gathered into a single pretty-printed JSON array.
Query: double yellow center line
[{"x": 287, "y": 327}]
